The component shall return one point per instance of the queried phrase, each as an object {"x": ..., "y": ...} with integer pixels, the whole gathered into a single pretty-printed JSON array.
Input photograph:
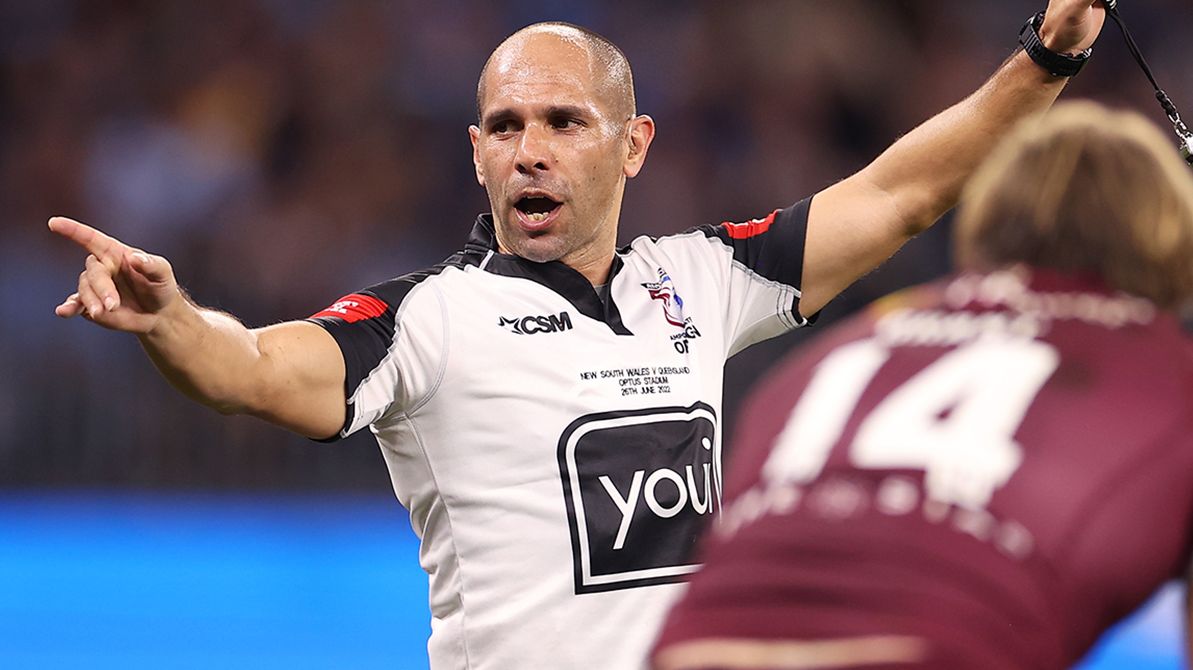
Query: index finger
[{"x": 87, "y": 237}]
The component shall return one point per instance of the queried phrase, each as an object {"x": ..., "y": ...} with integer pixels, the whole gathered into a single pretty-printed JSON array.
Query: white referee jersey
[{"x": 559, "y": 453}]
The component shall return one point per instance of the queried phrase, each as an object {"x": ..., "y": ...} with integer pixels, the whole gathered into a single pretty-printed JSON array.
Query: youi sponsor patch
[{"x": 639, "y": 487}]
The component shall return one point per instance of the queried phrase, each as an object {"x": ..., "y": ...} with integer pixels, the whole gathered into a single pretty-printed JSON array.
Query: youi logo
[{"x": 639, "y": 486}]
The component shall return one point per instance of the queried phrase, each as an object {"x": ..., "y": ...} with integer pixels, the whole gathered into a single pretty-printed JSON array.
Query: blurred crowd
[{"x": 283, "y": 153}]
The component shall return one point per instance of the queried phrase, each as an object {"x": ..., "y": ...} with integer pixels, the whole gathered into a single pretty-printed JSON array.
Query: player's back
[{"x": 984, "y": 473}]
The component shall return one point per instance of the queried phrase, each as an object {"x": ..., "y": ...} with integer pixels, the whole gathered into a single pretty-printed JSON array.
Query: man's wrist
[
  {"x": 171, "y": 318},
  {"x": 1048, "y": 34},
  {"x": 1056, "y": 63}
]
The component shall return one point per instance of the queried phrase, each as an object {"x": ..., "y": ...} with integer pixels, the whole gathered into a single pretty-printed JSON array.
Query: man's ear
[
  {"x": 639, "y": 137},
  {"x": 474, "y": 134}
]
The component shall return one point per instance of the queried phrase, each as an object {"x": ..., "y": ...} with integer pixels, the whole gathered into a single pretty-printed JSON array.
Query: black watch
[{"x": 1057, "y": 64}]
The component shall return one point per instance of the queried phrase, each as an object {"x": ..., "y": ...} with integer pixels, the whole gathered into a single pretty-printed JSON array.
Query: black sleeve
[
  {"x": 773, "y": 246},
  {"x": 364, "y": 325}
]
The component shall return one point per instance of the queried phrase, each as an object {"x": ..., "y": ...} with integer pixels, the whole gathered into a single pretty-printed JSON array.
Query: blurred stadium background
[{"x": 284, "y": 152}]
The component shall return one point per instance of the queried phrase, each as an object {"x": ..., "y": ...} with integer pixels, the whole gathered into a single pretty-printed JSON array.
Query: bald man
[{"x": 549, "y": 405}]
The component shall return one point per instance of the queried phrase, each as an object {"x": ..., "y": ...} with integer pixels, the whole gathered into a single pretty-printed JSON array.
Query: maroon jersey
[{"x": 998, "y": 466}]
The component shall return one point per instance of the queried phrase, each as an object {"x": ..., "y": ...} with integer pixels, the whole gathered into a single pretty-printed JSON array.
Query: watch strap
[{"x": 1057, "y": 64}]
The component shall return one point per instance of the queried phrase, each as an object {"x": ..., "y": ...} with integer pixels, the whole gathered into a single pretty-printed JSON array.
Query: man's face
[{"x": 551, "y": 153}]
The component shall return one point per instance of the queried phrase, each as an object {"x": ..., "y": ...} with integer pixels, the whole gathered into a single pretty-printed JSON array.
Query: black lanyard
[{"x": 1182, "y": 131}]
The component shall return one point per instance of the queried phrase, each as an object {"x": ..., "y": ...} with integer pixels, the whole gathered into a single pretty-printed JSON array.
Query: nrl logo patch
[{"x": 664, "y": 291}]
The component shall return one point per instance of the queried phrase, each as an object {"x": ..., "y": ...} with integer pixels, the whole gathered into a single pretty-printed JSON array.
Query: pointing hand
[{"x": 121, "y": 287}]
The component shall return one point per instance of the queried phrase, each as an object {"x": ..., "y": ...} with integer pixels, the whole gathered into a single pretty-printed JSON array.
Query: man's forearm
[
  {"x": 857, "y": 223},
  {"x": 208, "y": 355},
  {"x": 923, "y": 173},
  {"x": 290, "y": 374}
]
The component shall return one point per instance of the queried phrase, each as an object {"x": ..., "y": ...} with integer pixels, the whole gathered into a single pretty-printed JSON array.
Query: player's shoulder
[
  {"x": 690, "y": 236},
  {"x": 721, "y": 235},
  {"x": 694, "y": 246},
  {"x": 388, "y": 297},
  {"x": 397, "y": 289},
  {"x": 782, "y": 231}
]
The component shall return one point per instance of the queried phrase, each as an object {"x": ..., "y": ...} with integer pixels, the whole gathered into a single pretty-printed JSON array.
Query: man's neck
[
  {"x": 596, "y": 271},
  {"x": 594, "y": 265}
]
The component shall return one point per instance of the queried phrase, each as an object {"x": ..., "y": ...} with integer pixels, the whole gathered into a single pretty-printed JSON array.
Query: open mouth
[{"x": 537, "y": 209}]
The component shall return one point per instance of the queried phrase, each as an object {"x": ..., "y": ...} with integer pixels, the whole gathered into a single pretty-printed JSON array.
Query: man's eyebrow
[
  {"x": 567, "y": 110},
  {"x": 498, "y": 115},
  {"x": 508, "y": 114}
]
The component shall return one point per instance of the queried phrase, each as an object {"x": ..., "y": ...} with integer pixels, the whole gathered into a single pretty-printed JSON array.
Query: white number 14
[{"x": 955, "y": 419}]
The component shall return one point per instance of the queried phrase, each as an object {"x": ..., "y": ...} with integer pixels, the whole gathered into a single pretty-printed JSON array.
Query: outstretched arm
[
  {"x": 856, "y": 224},
  {"x": 291, "y": 374}
]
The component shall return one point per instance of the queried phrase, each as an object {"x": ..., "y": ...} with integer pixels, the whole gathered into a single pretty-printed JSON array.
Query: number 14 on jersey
[{"x": 955, "y": 419}]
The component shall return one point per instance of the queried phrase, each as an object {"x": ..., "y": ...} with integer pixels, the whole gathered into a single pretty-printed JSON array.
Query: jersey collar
[{"x": 557, "y": 276}]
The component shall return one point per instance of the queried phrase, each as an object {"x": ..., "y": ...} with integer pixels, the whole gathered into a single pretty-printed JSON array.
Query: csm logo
[
  {"x": 531, "y": 325},
  {"x": 639, "y": 487}
]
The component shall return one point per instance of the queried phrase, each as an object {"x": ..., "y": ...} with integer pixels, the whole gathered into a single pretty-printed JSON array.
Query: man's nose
[{"x": 534, "y": 150}]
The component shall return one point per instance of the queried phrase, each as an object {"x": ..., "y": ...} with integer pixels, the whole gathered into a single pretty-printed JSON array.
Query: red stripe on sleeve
[
  {"x": 354, "y": 307},
  {"x": 742, "y": 231}
]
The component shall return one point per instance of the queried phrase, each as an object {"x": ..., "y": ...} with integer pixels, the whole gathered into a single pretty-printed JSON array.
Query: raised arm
[
  {"x": 291, "y": 374},
  {"x": 856, "y": 224}
]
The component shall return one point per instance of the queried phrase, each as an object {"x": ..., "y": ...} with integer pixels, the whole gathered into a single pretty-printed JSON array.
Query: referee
[{"x": 548, "y": 404}]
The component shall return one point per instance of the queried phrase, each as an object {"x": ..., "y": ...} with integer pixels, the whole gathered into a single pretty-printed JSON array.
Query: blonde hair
[{"x": 1085, "y": 189}]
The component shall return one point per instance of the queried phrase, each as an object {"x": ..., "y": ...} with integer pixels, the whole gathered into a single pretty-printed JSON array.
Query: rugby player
[
  {"x": 549, "y": 405},
  {"x": 986, "y": 472}
]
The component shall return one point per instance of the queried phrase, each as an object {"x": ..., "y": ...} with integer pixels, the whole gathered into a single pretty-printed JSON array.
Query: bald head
[{"x": 607, "y": 65}]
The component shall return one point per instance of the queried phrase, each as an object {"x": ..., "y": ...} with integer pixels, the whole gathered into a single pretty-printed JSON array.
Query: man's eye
[
  {"x": 564, "y": 123},
  {"x": 504, "y": 127}
]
